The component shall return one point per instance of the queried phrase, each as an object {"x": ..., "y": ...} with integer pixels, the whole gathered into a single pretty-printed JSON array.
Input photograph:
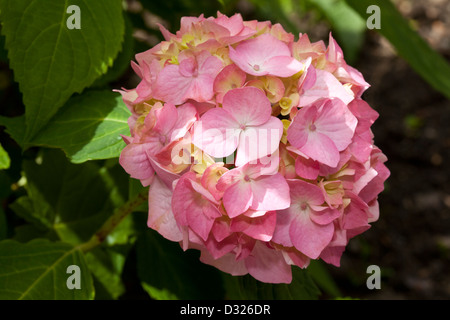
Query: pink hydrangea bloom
[{"x": 257, "y": 147}]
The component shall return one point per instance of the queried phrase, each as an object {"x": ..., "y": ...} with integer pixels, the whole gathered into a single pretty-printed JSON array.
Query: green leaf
[
  {"x": 158, "y": 294},
  {"x": 34, "y": 210},
  {"x": 38, "y": 271},
  {"x": 409, "y": 45},
  {"x": 15, "y": 127},
  {"x": 170, "y": 272},
  {"x": 107, "y": 265},
  {"x": 319, "y": 273},
  {"x": 5, "y": 161},
  {"x": 122, "y": 61},
  {"x": 51, "y": 61},
  {"x": 246, "y": 287},
  {"x": 348, "y": 27},
  {"x": 88, "y": 127},
  {"x": 3, "y": 225},
  {"x": 135, "y": 187},
  {"x": 74, "y": 200},
  {"x": 28, "y": 232}
]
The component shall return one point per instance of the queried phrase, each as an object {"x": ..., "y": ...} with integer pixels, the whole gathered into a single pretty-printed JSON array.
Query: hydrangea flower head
[{"x": 257, "y": 147}]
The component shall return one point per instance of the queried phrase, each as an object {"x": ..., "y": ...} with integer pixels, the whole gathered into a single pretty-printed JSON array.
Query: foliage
[{"x": 72, "y": 207}]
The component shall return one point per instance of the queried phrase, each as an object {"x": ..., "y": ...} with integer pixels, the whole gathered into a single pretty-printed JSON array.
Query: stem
[{"x": 113, "y": 222}]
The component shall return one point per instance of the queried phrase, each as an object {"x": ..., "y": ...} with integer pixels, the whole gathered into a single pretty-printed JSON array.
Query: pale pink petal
[
  {"x": 321, "y": 148},
  {"x": 193, "y": 79},
  {"x": 309, "y": 237},
  {"x": 219, "y": 249},
  {"x": 135, "y": 161},
  {"x": 221, "y": 229},
  {"x": 325, "y": 86},
  {"x": 270, "y": 193},
  {"x": 160, "y": 216},
  {"x": 259, "y": 228},
  {"x": 248, "y": 105},
  {"x": 282, "y": 66},
  {"x": 360, "y": 148},
  {"x": 226, "y": 263},
  {"x": 259, "y": 141},
  {"x": 376, "y": 185},
  {"x": 332, "y": 255},
  {"x": 165, "y": 175},
  {"x": 253, "y": 213},
  {"x": 297, "y": 258},
  {"x": 268, "y": 265},
  {"x": 229, "y": 178},
  {"x": 324, "y": 215},
  {"x": 374, "y": 211},
  {"x": 245, "y": 246},
  {"x": 231, "y": 77},
  {"x": 337, "y": 122},
  {"x": 233, "y": 24},
  {"x": 251, "y": 55},
  {"x": 182, "y": 198},
  {"x": 166, "y": 33},
  {"x": 198, "y": 221},
  {"x": 355, "y": 214},
  {"x": 365, "y": 114},
  {"x": 368, "y": 176},
  {"x": 237, "y": 198},
  {"x": 205, "y": 194},
  {"x": 171, "y": 86},
  {"x": 202, "y": 107},
  {"x": 307, "y": 168},
  {"x": 166, "y": 117},
  {"x": 201, "y": 89},
  {"x": 187, "y": 115},
  {"x": 281, "y": 232},
  {"x": 209, "y": 65},
  {"x": 297, "y": 133},
  {"x": 302, "y": 191},
  {"x": 211, "y": 177},
  {"x": 217, "y": 133}
]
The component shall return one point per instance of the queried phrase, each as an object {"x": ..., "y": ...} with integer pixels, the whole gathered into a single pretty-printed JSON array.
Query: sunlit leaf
[
  {"x": 38, "y": 271},
  {"x": 88, "y": 127},
  {"x": 51, "y": 61}
]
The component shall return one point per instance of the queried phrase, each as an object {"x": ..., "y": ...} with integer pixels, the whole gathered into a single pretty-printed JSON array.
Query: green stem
[{"x": 113, "y": 221}]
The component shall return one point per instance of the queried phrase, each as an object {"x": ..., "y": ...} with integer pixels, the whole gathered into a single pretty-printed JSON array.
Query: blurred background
[{"x": 411, "y": 240}]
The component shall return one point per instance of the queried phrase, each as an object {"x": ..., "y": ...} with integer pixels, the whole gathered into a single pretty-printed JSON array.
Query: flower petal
[
  {"x": 258, "y": 142},
  {"x": 160, "y": 215},
  {"x": 259, "y": 228},
  {"x": 248, "y": 105},
  {"x": 217, "y": 133},
  {"x": 270, "y": 193},
  {"x": 282, "y": 66},
  {"x": 309, "y": 237},
  {"x": 237, "y": 198},
  {"x": 251, "y": 55},
  {"x": 268, "y": 265},
  {"x": 135, "y": 161},
  {"x": 321, "y": 148},
  {"x": 337, "y": 122}
]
